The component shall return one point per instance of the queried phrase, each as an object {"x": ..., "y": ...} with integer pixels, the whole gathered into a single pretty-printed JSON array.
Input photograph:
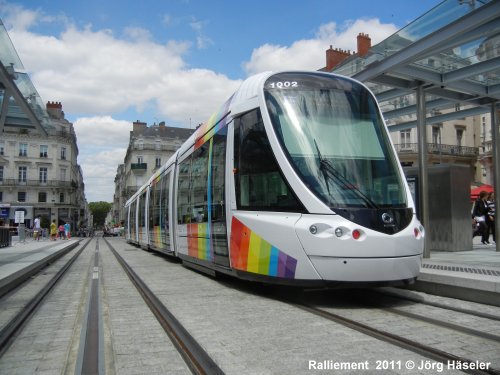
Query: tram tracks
[
  {"x": 250, "y": 316},
  {"x": 87, "y": 328},
  {"x": 12, "y": 327},
  {"x": 410, "y": 343},
  {"x": 191, "y": 351},
  {"x": 353, "y": 320}
]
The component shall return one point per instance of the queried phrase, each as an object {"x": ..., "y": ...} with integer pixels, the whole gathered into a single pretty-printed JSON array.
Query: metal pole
[
  {"x": 422, "y": 168},
  {"x": 496, "y": 166}
]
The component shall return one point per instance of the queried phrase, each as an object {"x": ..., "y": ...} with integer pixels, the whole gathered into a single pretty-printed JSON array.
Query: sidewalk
[
  {"x": 471, "y": 275},
  {"x": 21, "y": 260}
]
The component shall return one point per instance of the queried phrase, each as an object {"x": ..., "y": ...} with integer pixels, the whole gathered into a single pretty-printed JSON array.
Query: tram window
[
  {"x": 218, "y": 207},
  {"x": 158, "y": 210},
  {"x": 142, "y": 213},
  {"x": 183, "y": 198},
  {"x": 165, "y": 188},
  {"x": 154, "y": 207},
  {"x": 132, "y": 216},
  {"x": 198, "y": 183},
  {"x": 259, "y": 182},
  {"x": 218, "y": 176}
]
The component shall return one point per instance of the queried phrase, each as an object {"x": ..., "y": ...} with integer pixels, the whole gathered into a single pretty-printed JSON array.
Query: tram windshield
[{"x": 332, "y": 133}]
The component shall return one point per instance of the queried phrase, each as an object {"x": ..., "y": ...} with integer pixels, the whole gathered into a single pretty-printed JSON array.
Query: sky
[{"x": 112, "y": 62}]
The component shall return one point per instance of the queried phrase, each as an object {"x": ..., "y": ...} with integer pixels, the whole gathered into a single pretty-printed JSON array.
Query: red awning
[{"x": 474, "y": 193}]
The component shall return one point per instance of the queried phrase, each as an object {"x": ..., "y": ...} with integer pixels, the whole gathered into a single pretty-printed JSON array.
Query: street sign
[{"x": 19, "y": 218}]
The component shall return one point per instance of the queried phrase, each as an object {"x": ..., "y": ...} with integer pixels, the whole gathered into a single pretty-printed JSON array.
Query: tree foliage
[{"x": 99, "y": 211}]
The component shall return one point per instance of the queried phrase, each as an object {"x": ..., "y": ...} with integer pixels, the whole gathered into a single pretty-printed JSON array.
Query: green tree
[{"x": 99, "y": 211}]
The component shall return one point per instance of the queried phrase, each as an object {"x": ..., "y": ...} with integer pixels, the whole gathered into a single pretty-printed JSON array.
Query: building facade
[
  {"x": 149, "y": 148},
  {"x": 39, "y": 175}
]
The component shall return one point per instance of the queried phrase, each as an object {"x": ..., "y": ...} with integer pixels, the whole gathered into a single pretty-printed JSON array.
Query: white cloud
[
  {"x": 89, "y": 130},
  {"x": 310, "y": 53},
  {"x": 102, "y": 142},
  {"x": 96, "y": 73}
]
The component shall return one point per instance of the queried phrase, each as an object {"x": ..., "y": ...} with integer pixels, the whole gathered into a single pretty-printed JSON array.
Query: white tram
[{"x": 294, "y": 180}]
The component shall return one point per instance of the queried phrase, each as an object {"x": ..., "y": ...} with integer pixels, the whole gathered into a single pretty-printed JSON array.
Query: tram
[{"x": 294, "y": 180}]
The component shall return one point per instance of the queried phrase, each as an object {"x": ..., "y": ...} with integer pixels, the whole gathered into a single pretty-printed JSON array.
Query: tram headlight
[
  {"x": 313, "y": 229},
  {"x": 339, "y": 232}
]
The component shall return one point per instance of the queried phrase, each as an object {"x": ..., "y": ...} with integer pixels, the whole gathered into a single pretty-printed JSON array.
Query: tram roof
[{"x": 453, "y": 51}]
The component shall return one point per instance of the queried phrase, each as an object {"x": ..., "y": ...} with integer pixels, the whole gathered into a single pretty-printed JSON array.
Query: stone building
[
  {"x": 39, "y": 173},
  {"x": 149, "y": 148}
]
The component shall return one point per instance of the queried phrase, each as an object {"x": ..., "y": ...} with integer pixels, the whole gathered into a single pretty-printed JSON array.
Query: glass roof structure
[
  {"x": 453, "y": 51},
  {"x": 444, "y": 65},
  {"x": 20, "y": 104}
]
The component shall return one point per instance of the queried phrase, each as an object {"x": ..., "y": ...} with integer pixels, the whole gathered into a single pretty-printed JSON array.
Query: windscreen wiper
[{"x": 328, "y": 170}]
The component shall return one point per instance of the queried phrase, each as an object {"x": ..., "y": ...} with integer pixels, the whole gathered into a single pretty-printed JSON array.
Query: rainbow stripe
[
  {"x": 199, "y": 241},
  {"x": 216, "y": 122},
  {"x": 251, "y": 253},
  {"x": 156, "y": 238}
]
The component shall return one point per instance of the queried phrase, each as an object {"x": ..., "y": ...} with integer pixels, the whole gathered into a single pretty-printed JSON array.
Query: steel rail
[
  {"x": 402, "y": 342},
  {"x": 9, "y": 331},
  {"x": 34, "y": 269},
  {"x": 479, "y": 314},
  {"x": 194, "y": 355}
]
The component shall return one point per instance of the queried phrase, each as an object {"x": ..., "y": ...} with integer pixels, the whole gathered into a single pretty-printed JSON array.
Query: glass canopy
[{"x": 453, "y": 50}]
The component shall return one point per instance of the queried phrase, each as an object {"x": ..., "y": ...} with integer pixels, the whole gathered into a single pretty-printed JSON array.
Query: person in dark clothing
[
  {"x": 479, "y": 214},
  {"x": 490, "y": 217}
]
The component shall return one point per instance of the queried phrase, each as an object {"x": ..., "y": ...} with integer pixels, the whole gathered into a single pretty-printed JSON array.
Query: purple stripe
[
  {"x": 291, "y": 264},
  {"x": 282, "y": 264}
]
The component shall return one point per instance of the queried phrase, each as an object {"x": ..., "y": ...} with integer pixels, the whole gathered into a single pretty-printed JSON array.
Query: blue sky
[{"x": 114, "y": 62}]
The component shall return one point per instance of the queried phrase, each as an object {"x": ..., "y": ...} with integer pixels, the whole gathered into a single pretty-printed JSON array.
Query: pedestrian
[
  {"x": 53, "y": 230},
  {"x": 67, "y": 230},
  {"x": 61, "y": 232},
  {"x": 490, "y": 217},
  {"x": 37, "y": 230},
  {"x": 479, "y": 215}
]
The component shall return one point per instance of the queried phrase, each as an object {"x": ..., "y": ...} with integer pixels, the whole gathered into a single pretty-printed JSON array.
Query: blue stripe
[{"x": 273, "y": 261}]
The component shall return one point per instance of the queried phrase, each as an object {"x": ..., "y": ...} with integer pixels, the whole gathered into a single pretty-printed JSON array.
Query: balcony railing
[
  {"x": 36, "y": 183},
  {"x": 432, "y": 148},
  {"x": 139, "y": 166}
]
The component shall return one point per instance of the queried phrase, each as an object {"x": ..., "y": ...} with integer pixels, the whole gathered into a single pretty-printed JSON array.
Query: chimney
[
  {"x": 54, "y": 109},
  {"x": 334, "y": 57},
  {"x": 139, "y": 126},
  {"x": 364, "y": 44}
]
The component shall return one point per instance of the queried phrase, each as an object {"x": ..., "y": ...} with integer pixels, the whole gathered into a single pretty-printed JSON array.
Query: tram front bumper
[{"x": 367, "y": 269}]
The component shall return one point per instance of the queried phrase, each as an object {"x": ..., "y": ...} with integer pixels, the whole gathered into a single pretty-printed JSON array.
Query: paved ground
[{"x": 245, "y": 332}]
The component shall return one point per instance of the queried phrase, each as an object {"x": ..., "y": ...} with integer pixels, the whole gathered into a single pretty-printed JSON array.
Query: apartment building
[
  {"x": 39, "y": 173},
  {"x": 149, "y": 148}
]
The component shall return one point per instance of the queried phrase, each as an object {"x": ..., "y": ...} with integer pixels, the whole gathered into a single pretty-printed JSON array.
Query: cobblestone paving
[
  {"x": 47, "y": 343},
  {"x": 247, "y": 333},
  {"x": 244, "y": 328},
  {"x": 139, "y": 344}
]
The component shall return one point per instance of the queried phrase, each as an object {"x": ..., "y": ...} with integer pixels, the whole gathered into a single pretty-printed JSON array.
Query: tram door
[
  {"x": 218, "y": 168},
  {"x": 201, "y": 210}
]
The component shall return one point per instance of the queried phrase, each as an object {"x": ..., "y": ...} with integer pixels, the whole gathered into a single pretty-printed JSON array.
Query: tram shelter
[{"x": 449, "y": 58}]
